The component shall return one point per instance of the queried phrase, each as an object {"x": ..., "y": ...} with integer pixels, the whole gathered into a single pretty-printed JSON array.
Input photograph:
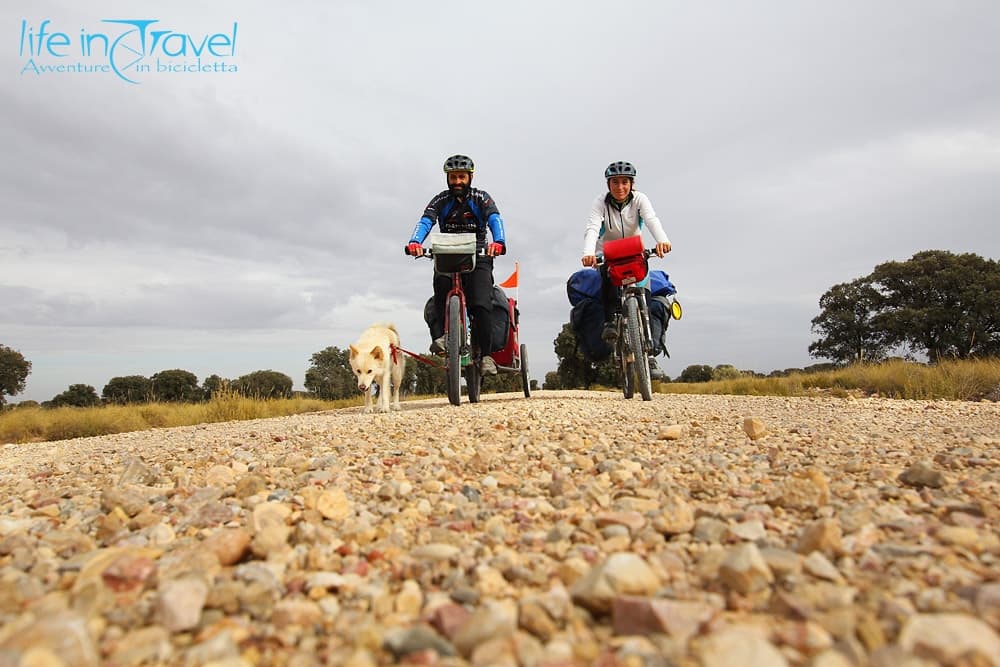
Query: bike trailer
[
  {"x": 503, "y": 334},
  {"x": 504, "y": 356},
  {"x": 454, "y": 253},
  {"x": 626, "y": 261}
]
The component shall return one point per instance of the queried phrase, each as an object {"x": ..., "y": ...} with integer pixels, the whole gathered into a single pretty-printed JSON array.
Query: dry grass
[
  {"x": 951, "y": 380},
  {"x": 40, "y": 424},
  {"x": 969, "y": 380}
]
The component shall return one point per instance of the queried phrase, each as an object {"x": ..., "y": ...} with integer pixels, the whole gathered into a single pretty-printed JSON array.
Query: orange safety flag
[{"x": 512, "y": 281}]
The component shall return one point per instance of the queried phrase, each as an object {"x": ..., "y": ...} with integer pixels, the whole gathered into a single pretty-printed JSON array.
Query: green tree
[
  {"x": 819, "y": 368},
  {"x": 428, "y": 380},
  {"x": 940, "y": 304},
  {"x": 726, "y": 372},
  {"x": 575, "y": 370},
  {"x": 176, "y": 386},
  {"x": 696, "y": 373},
  {"x": 264, "y": 384},
  {"x": 502, "y": 382},
  {"x": 849, "y": 332},
  {"x": 128, "y": 389},
  {"x": 14, "y": 371},
  {"x": 78, "y": 395},
  {"x": 330, "y": 376},
  {"x": 409, "y": 376},
  {"x": 212, "y": 385},
  {"x": 551, "y": 381}
]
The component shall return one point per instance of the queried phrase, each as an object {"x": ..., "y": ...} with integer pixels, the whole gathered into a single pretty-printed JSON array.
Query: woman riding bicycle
[{"x": 619, "y": 213}]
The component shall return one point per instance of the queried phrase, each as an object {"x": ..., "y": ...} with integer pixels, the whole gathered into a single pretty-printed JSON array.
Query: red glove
[
  {"x": 495, "y": 249},
  {"x": 414, "y": 249}
]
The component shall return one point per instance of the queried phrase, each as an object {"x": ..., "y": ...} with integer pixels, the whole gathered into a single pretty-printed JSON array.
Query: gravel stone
[{"x": 572, "y": 528}]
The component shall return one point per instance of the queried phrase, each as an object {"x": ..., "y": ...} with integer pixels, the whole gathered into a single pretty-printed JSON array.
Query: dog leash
[{"x": 393, "y": 349}]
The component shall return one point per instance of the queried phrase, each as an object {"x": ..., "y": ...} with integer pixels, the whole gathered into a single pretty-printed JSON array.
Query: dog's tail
[{"x": 391, "y": 327}]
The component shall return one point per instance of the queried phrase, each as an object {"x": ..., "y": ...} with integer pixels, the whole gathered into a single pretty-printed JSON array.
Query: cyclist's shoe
[
  {"x": 438, "y": 346},
  {"x": 610, "y": 333},
  {"x": 487, "y": 366},
  {"x": 654, "y": 371}
]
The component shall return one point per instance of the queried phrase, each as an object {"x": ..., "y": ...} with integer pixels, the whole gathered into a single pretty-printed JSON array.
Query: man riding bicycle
[
  {"x": 619, "y": 213},
  {"x": 463, "y": 208}
]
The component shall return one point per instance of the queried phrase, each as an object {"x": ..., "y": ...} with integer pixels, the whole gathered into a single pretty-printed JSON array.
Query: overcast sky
[{"x": 227, "y": 222}]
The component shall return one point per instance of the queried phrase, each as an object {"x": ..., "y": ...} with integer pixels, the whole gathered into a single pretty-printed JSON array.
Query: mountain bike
[
  {"x": 455, "y": 254},
  {"x": 627, "y": 264}
]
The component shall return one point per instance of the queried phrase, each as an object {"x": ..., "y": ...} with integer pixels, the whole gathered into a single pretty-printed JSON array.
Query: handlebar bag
[
  {"x": 454, "y": 253},
  {"x": 625, "y": 260}
]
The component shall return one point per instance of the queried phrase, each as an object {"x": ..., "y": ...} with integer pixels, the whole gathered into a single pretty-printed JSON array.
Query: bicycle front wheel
[
  {"x": 637, "y": 345},
  {"x": 454, "y": 342},
  {"x": 626, "y": 368}
]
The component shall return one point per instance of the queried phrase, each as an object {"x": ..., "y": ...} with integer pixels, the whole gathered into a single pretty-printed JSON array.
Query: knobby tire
[
  {"x": 474, "y": 381},
  {"x": 525, "y": 385},
  {"x": 636, "y": 342},
  {"x": 454, "y": 369},
  {"x": 627, "y": 371}
]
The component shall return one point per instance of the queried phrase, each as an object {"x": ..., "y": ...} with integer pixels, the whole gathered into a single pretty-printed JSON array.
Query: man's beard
[{"x": 460, "y": 191}]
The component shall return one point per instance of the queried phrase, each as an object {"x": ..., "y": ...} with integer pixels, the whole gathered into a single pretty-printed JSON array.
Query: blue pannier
[
  {"x": 660, "y": 285},
  {"x": 584, "y": 284}
]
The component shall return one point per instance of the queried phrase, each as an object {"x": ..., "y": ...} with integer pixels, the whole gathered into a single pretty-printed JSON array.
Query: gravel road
[{"x": 572, "y": 528}]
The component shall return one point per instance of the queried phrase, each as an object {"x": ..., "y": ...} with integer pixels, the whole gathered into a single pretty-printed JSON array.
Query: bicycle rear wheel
[
  {"x": 473, "y": 381},
  {"x": 524, "y": 371},
  {"x": 454, "y": 369},
  {"x": 635, "y": 341}
]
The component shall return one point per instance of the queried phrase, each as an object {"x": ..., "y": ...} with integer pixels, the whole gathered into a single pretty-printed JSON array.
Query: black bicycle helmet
[
  {"x": 459, "y": 163},
  {"x": 619, "y": 169}
]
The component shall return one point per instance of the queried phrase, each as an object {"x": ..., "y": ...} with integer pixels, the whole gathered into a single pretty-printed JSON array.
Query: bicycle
[
  {"x": 456, "y": 254},
  {"x": 628, "y": 267}
]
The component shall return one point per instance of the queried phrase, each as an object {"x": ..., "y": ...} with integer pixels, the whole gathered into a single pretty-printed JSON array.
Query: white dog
[{"x": 374, "y": 360}]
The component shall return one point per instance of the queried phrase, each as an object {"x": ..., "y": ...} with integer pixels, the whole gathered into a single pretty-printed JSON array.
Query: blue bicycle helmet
[{"x": 619, "y": 169}]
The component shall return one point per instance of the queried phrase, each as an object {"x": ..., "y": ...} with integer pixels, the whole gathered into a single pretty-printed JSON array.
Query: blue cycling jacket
[{"x": 475, "y": 213}]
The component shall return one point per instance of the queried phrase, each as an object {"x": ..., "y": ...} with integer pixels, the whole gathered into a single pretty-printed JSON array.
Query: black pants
[
  {"x": 609, "y": 297},
  {"x": 478, "y": 287}
]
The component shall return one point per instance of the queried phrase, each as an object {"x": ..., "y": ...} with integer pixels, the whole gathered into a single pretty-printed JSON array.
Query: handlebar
[
  {"x": 646, "y": 254},
  {"x": 429, "y": 253}
]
